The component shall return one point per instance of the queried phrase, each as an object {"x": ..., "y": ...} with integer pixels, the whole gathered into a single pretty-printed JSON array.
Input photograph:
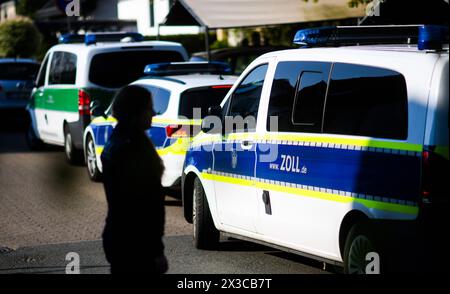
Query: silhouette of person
[{"x": 132, "y": 170}]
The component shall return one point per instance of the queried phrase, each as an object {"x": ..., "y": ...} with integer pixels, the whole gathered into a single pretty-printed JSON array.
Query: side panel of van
[
  {"x": 339, "y": 146},
  {"x": 61, "y": 104}
]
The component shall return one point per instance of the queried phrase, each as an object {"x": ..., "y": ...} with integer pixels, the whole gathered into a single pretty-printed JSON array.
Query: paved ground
[
  {"x": 233, "y": 257},
  {"x": 48, "y": 208},
  {"x": 43, "y": 200}
]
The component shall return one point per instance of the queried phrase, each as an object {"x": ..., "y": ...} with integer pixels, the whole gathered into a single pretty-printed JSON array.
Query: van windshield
[
  {"x": 117, "y": 69},
  {"x": 18, "y": 71}
]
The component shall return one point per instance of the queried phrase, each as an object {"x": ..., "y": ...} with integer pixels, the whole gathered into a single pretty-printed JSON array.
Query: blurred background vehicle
[
  {"x": 86, "y": 68},
  {"x": 17, "y": 78},
  {"x": 238, "y": 58},
  {"x": 178, "y": 90}
]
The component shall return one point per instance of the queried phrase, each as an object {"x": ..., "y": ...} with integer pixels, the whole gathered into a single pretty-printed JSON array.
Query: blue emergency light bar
[
  {"x": 182, "y": 68},
  {"x": 428, "y": 37},
  {"x": 432, "y": 37},
  {"x": 93, "y": 38}
]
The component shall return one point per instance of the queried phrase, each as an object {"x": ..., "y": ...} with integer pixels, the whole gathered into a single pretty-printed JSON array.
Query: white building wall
[
  {"x": 7, "y": 11},
  {"x": 139, "y": 10}
]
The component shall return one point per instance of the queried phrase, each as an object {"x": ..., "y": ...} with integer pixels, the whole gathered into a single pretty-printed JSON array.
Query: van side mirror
[
  {"x": 97, "y": 109},
  {"x": 212, "y": 123}
]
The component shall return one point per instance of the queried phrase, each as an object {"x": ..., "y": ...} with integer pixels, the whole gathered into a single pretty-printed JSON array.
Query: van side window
[
  {"x": 297, "y": 96},
  {"x": 161, "y": 99},
  {"x": 42, "y": 73},
  {"x": 63, "y": 69},
  {"x": 366, "y": 101},
  {"x": 69, "y": 69},
  {"x": 245, "y": 99},
  {"x": 55, "y": 69}
]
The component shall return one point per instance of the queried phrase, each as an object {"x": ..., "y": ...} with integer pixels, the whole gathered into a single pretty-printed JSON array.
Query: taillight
[
  {"x": 426, "y": 174},
  {"x": 171, "y": 129},
  {"x": 435, "y": 173},
  {"x": 84, "y": 100}
]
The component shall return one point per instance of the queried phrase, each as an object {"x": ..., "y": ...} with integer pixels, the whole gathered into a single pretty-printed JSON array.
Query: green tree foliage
[
  {"x": 19, "y": 38},
  {"x": 351, "y": 3},
  {"x": 356, "y": 3}
]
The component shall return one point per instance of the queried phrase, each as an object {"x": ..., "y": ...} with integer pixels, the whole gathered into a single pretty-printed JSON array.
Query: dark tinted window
[
  {"x": 63, "y": 68},
  {"x": 243, "y": 107},
  {"x": 366, "y": 101},
  {"x": 117, "y": 69},
  {"x": 55, "y": 70},
  {"x": 201, "y": 98},
  {"x": 297, "y": 96},
  {"x": 18, "y": 71}
]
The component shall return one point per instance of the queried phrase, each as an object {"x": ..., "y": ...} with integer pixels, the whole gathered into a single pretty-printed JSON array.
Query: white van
[
  {"x": 81, "y": 70},
  {"x": 349, "y": 150}
]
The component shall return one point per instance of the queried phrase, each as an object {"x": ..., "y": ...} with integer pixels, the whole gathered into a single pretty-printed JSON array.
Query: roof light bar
[
  {"x": 432, "y": 37},
  {"x": 426, "y": 36},
  {"x": 181, "y": 68},
  {"x": 92, "y": 38}
]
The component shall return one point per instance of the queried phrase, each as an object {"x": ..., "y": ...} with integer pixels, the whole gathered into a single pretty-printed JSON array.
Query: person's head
[{"x": 133, "y": 106}]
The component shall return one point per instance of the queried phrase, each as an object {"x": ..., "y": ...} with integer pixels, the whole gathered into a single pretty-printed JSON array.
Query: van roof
[
  {"x": 190, "y": 81},
  {"x": 398, "y": 48},
  {"x": 112, "y": 45}
]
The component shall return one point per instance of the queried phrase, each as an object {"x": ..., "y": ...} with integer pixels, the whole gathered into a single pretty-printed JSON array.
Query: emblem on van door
[{"x": 234, "y": 159}]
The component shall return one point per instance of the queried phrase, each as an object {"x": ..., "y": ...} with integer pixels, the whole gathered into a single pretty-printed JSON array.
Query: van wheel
[
  {"x": 361, "y": 240},
  {"x": 206, "y": 236},
  {"x": 33, "y": 142},
  {"x": 73, "y": 156},
  {"x": 91, "y": 161}
]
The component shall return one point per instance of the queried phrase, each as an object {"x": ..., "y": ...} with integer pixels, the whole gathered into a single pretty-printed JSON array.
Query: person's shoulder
[{"x": 116, "y": 147}]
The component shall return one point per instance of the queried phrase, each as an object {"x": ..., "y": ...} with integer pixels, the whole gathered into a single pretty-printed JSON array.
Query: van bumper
[
  {"x": 77, "y": 130},
  {"x": 421, "y": 245}
]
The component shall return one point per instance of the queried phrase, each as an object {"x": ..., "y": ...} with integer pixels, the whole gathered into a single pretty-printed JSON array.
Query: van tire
[
  {"x": 361, "y": 240},
  {"x": 73, "y": 155},
  {"x": 206, "y": 236},
  {"x": 91, "y": 161}
]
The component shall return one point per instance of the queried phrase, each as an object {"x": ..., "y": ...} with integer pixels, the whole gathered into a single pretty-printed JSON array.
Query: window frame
[
  {"x": 297, "y": 96},
  {"x": 307, "y": 69}
]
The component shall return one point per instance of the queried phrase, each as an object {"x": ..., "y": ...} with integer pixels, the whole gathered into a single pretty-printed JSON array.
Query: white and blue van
[{"x": 347, "y": 152}]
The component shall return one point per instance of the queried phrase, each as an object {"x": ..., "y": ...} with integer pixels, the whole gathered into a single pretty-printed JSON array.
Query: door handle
[
  {"x": 246, "y": 145},
  {"x": 267, "y": 204},
  {"x": 46, "y": 119}
]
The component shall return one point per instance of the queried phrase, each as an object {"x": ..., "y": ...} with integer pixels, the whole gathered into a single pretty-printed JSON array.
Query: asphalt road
[{"x": 48, "y": 208}]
